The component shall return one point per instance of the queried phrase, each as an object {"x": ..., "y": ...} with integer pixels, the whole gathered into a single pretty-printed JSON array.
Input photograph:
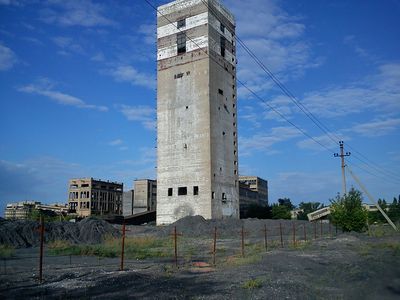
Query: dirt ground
[{"x": 347, "y": 266}]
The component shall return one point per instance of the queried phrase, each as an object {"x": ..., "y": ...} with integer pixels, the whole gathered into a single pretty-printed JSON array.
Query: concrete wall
[{"x": 197, "y": 136}]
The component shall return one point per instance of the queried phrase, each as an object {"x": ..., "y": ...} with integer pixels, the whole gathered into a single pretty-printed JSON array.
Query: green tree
[
  {"x": 280, "y": 212},
  {"x": 394, "y": 210},
  {"x": 348, "y": 213},
  {"x": 308, "y": 207},
  {"x": 259, "y": 212},
  {"x": 376, "y": 216}
]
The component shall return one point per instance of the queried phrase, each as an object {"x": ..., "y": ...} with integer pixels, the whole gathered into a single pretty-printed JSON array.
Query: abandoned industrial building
[
  {"x": 197, "y": 168},
  {"x": 88, "y": 196},
  {"x": 22, "y": 210},
  {"x": 253, "y": 190},
  {"x": 142, "y": 198}
]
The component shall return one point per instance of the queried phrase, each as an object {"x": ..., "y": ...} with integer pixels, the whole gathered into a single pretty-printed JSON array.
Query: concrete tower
[{"x": 197, "y": 167}]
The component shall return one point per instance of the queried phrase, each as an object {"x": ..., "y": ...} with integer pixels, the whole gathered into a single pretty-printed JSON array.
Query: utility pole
[{"x": 342, "y": 156}]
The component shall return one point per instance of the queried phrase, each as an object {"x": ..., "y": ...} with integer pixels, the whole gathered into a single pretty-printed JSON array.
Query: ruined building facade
[
  {"x": 197, "y": 167},
  {"x": 88, "y": 196}
]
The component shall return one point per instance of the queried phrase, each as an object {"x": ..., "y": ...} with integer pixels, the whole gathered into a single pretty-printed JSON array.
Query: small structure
[
  {"x": 88, "y": 196},
  {"x": 253, "y": 190},
  {"x": 318, "y": 214},
  {"x": 22, "y": 210},
  {"x": 145, "y": 195}
]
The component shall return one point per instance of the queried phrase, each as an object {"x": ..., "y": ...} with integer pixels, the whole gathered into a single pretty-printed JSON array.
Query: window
[
  {"x": 222, "y": 44},
  {"x": 195, "y": 190},
  {"x": 181, "y": 42},
  {"x": 221, "y": 92},
  {"x": 223, "y": 197},
  {"x": 181, "y": 23},
  {"x": 212, "y": 195},
  {"x": 222, "y": 28},
  {"x": 182, "y": 191},
  {"x": 169, "y": 191}
]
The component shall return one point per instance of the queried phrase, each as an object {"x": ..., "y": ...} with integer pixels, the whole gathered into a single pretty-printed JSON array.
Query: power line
[
  {"x": 300, "y": 105},
  {"x": 242, "y": 83}
]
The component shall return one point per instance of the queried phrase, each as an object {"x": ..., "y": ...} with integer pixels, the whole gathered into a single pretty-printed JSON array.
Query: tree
[
  {"x": 258, "y": 211},
  {"x": 394, "y": 210},
  {"x": 376, "y": 216},
  {"x": 348, "y": 213},
  {"x": 308, "y": 207},
  {"x": 286, "y": 202},
  {"x": 280, "y": 212}
]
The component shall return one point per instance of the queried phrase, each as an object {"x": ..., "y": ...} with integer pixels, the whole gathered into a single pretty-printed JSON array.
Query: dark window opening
[
  {"x": 223, "y": 132},
  {"x": 212, "y": 195},
  {"x": 169, "y": 191},
  {"x": 222, "y": 28},
  {"x": 195, "y": 190},
  {"x": 181, "y": 42},
  {"x": 182, "y": 191},
  {"x": 180, "y": 75},
  {"x": 222, "y": 44},
  {"x": 181, "y": 23},
  {"x": 223, "y": 197},
  {"x": 221, "y": 92}
]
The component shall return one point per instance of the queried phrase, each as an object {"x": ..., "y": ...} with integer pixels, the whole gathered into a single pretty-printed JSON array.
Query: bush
[
  {"x": 280, "y": 212},
  {"x": 348, "y": 213}
]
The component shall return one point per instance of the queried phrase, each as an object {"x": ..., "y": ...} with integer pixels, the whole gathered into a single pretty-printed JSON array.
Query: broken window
[
  {"x": 221, "y": 92},
  {"x": 195, "y": 190},
  {"x": 222, "y": 28},
  {"x": 181, "y": 23},
  {"x": 169, "y": 191},
  {"x": 223, "y": 197},
  {"x": 181, "y": 42},
  {"x": 182, "y": 191},
  {"x": 222, "y": 44}
]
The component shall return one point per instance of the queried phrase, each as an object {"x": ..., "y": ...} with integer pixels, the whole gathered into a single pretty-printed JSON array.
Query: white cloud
[
  {"x": 265, "y": 141},
  {"x": 67, "y": 44},
  {"x": 7, "y": 58},
  {"x": 116, "y": 142},
  {"x": 131, "y": 75},
  {"x": 99, "y": 56},
  {"x": 141, "y": 113},
  {"x": 377, "y": 127},
  {"x": 149, "y": 33},
  {"x": 75, "y": 13},
  {"x": 44, "y": 88},
  {"x": 276, "y": 38}
]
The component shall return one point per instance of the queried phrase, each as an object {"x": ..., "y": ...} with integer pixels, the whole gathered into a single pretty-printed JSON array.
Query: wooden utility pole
[{"x": 342, "y": 155}]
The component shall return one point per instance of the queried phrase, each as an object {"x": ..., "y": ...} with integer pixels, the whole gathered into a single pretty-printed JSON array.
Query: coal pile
[
  {"x": 197, "y": 226},
  {"x": 24, "y": 233}
]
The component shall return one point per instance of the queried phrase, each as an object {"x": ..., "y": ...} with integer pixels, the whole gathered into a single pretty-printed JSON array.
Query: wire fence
[{"x": 218, "y": 248}]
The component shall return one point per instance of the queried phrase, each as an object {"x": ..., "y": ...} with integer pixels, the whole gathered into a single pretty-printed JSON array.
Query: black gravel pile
[
  {"x": 197, "y": 226},
  {"x": 25, "y": 233}
]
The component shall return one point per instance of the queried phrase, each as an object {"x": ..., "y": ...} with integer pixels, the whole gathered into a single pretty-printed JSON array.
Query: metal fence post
[
  {"x": 265, "y": 238},
  {"x": 122, "y": 247},
  {"x": 215, "y": 245},
  {"x": 280, "y": 230},
  {"x": 41, "y": 250}
]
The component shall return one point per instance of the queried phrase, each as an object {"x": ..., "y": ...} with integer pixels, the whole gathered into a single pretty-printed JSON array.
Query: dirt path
[{"x": 348, "y": 267}]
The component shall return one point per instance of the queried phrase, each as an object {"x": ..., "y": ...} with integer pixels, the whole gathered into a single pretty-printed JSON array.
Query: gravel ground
[{"x": 348, "y": 266}]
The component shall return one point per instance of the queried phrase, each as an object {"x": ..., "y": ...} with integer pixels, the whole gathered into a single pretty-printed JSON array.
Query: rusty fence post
[
  {"x": 315, "y": 229},
  {"x": 330, "y": 229},
  {"x": 322, "y": 232},
  {"x": 305, "y": 232},
  {"x": 265, "y": 238},
  {"x": 242, "y": 233},
  {"x": 41, "y": 250},
  {"x": 175, "y": 247},
  {"x": 294, "y": 234},
  {"x": 280, "y": 230},
  {"x": 122, "y": 247},
  {"x": 215, "y": 244}
]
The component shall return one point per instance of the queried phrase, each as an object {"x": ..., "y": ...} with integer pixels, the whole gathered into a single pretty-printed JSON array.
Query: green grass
[
  {"x": 252, "y": 284},
  {"x": 135, "y": 248},
  {"x": 6, "y": 251}
]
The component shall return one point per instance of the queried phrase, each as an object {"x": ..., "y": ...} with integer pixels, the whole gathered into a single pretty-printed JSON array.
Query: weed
[
  {"x": 6, "y": 251},
  {"x": 252, "y": 284}
]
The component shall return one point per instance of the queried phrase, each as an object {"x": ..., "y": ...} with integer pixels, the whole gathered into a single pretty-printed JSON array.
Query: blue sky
[{"x": 78, "y": 98}]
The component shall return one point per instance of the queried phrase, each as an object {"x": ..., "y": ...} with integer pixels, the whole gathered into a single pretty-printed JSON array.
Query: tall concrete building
[{"x": 197, "y": 167}]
